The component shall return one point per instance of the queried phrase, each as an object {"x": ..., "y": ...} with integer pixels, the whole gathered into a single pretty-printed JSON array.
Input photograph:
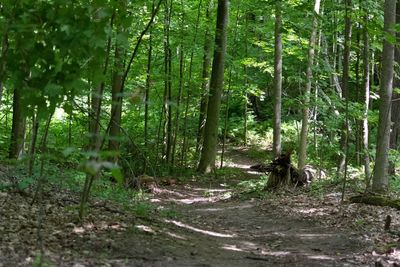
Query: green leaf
[{"x": 117, "y": 174}]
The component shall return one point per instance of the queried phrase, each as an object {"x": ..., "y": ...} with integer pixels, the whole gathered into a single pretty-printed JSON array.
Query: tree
[
  {"x": 395, "y": 133},
  {"x": 205, "y": 84},
  {"x": 277, "y": 80},
  {"x": 18, "y": 126},
  {"x": 307, "y": 92},
  {"x": 116, "y": 86},
  {"x": 366, "y": 83},
  {"x": 209, "y": 151},
  {"x": 342, "y": 164},
  {"x": 380, "y": 182}
]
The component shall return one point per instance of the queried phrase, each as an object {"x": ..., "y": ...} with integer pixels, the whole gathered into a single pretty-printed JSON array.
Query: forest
[{"x": 199, "y": 133}]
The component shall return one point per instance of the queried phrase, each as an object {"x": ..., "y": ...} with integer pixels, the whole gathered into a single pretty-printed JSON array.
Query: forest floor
[{"x": 200, "y": 224}]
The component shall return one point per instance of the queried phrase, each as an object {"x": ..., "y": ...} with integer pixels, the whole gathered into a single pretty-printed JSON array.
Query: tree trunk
[
  {"x": 277, "y": 147},
  {"x": 309, "y": 76},
  {"x": 209, "y": 151},
  {"x": 18, "y": 126},
  {"x": 345, "y": 89},
  {"x": 189, "y": 85},
  {"x": 95, "y": 141},
  {"x": 229, "y": 91},
  {"x": 32, "y": 149},
  {"x": 205, "y": 81},
  {"x": 358, "y": 123},
  {"x": 366, "y": 83},
  {"x": 380, "y": 182},
  {"x": 147, "y": 92},
  {"x": 178, "y": 103},
  {"x": 395, "y": 133},
  {"x": 167, "y": 109},
  {"x": 116, "y": 105},
  {"x": 3, "y": 55}
]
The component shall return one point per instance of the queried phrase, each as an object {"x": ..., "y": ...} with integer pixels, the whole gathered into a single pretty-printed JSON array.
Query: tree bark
[
  {"x": 345, "y": 89},
  {"x": 380, "y": 182},
  {"x": 307, "y": 92},
  {"x": 277, "y": 147},
  {"x": 3, "y": 55},
  {"x": 18, "y": 127},
  {"x": 209, "y": 151},
  {"x": 178, "y": 104},
  {"x": 116, "y": 105},
  {"x": 189, "y": 85},
  {"x": 147, "y": 92},
  {"x": 229, "y": 89},
  {"x": 366, "y": 83},
  {"x": 167, "y": 109},
  {"x": 395, "y": 133},
  {"x": 205, "y": 84}
]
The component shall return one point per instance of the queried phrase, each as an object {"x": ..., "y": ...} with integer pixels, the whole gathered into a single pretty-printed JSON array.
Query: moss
[{"x": 376, "y": 200}]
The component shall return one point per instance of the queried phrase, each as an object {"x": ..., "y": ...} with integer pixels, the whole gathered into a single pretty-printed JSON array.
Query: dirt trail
[{"x": 214, "y": 232}]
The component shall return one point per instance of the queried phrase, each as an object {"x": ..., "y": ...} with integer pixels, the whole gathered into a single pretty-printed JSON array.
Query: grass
[{"x": 252, "y": 188}]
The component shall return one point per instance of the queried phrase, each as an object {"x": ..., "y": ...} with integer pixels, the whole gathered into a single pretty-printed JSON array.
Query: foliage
[{"x": 253, "y": 188}]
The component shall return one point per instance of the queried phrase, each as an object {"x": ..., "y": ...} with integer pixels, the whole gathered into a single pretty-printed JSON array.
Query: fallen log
[{"x": 376, "y": 200}]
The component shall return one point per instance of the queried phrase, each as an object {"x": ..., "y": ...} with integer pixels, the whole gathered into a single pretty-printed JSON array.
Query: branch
[{"x": 136, "y": 49}]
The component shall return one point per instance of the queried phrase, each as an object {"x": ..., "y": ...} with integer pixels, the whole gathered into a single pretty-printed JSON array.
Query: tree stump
[{"x": 282, "y": 173}]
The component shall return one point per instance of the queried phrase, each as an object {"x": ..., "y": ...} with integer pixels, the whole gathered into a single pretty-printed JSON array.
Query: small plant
[
  {"x": 252, "y": 187},
  {"x": 169, "y": 213},
  {"x": 143, "y": 209}
]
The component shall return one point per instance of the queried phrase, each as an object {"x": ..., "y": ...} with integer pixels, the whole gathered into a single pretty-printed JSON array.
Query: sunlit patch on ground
[
  {"x": 232, "y": 248},
  {"x": 276, "y": 253},
  {"x": 206, "y": 232},
  {"x": 174, "y": 235},
  {"x": 239, "y": 206},
  {"x": 314, "y": 236},
  {"x": 191, "y": 196},
  {"x": 314, "y": 211},
  {"x": 145, "y": 228},
  {"x": 320, "y": 257}
]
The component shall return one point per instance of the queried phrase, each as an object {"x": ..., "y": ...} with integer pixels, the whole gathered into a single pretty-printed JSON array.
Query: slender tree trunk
[
  {"x": 277, "y": 147},
  {"x": 32, "y": 149},
  {"x": 228, "y": 92},
  {"x": 207, "y": 49},
  {"x": 366, "y": 85},
  {"x": 345, "y": 89},
  {"x": 18, "y": 126},
  {"x": 95, "y": 142},
  {"x": 209, "y": 151},
  {"x": 3, "y": 55},
  {"x": 180, "y": 87},
  {"x": 70, "y": 122},
  {"x": 358, "y": 123},
  {"x": 147, "y": 92},
  {"x": 189, "y": 85},
  {"x": 309, "y": 76},
  {"x": 116, "y": 105},
  {"x": 246, "y": 84},
  {"x": 148, "y": 86},
  {"x": 380, "y": 182},
  {"x": 167, "y": 126},
  {"x": 178, "y": 104}
]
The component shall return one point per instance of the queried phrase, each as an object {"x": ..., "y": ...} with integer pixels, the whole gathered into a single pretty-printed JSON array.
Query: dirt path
[{"x": 215, "y": 232}]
